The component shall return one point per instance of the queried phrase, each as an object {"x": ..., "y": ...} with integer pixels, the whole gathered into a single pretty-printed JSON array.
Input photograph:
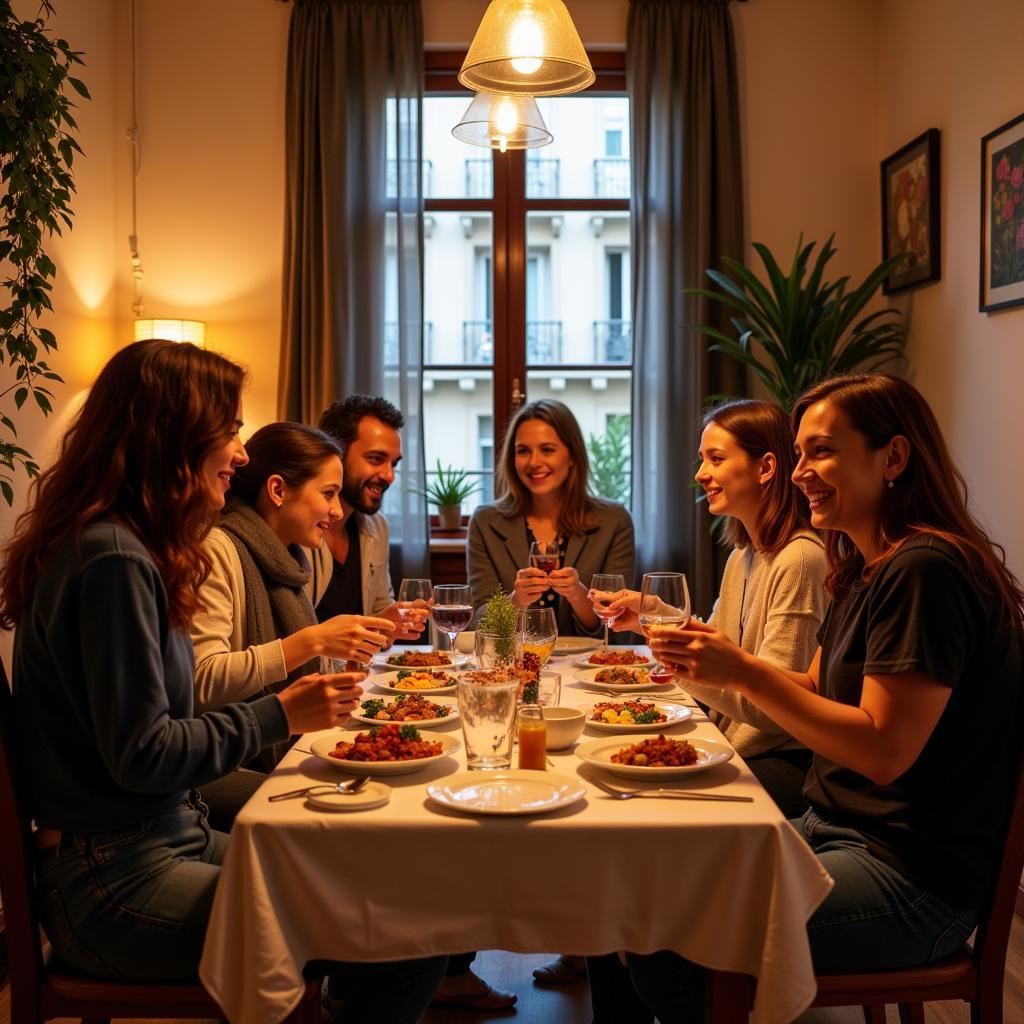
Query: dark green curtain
[{"x": 687, "y": 213}]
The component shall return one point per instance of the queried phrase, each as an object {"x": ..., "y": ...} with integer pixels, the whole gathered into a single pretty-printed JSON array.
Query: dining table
[{"x": 727, "y": 884}]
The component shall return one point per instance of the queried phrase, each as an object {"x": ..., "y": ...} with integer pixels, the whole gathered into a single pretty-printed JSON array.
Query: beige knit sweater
[{"x": 772, "y": 606}]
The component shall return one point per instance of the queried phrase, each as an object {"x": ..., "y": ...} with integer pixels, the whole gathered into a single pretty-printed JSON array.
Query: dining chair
[
  {"x": 974, "y": 974},
  {"x": 40, "y": 988}
]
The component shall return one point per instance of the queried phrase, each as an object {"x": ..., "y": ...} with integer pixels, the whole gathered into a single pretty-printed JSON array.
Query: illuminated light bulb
[
  {"x": 505, "y": 119},
  {"x": 524, "y": 41},
  {"x": 502, "y": 143}
]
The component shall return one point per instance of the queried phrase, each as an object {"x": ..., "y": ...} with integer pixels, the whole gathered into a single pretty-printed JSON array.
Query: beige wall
[{"x": 944, "y": 65}]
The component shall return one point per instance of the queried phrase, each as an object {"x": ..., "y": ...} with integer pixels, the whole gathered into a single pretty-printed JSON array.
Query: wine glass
[
  {"x": 545, "y": 555},
  {"x": 409, "y": 592},
  {"x": 607, "y": 583},
  {"x": 664, "y": 601},
  {"x": 452, "y": 610},
  {"x": 540, "y": 632}
]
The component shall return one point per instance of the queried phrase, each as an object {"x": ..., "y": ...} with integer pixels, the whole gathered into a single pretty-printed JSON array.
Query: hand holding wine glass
[
  {"x": 544, "y": 555},
  {"x": 664, "y": 601},
  {"x": 603, "y": 588},
  {"x": 452, "y": 610},
  {"x": 413, "y": 608}
]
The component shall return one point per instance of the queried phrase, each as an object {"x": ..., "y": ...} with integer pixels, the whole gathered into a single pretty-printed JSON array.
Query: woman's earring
[{"x": 891, "y": 485}]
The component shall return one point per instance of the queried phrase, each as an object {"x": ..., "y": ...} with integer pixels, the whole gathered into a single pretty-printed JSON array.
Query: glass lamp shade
[
  {"x": 503, "y": 122},
  {"x": 527, "y": 46},
  {"x": 171, "y": 330}
]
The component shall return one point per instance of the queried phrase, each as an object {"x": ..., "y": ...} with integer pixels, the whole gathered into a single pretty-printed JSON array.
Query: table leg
[{"x": 730, "y": 997}]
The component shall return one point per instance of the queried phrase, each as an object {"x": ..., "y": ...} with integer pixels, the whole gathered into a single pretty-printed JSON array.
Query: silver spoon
[{"x": 349, "y": 786}]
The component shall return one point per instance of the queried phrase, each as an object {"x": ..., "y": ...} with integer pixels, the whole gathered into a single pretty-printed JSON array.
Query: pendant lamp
[
  {"x": 502, "y": 123},
  {"x": 527, "y": 46}
]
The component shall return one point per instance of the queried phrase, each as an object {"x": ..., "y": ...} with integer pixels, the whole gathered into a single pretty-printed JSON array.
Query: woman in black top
[{"x": 921, "y": 651}]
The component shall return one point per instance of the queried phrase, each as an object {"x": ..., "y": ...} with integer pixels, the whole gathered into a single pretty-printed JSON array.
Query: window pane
[
  {"x": 590, "y": 155},
  {"x": 451, "y": 169},
  {"x": 578, "y": 288},
  {"x": 458, "y": 423},
  {"x": 458, "y": 289},
  {"x": 601, "y": 403}
]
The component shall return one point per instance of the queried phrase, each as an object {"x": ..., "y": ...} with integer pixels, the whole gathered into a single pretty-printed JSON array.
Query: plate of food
[
  {"x": 618, "y": 679},
  {"x": 415, "y": 680},
  {"x": 507, "y": 792},
  {"x": 635, "y": 715},
  {"x": 615, "y": 657},
  {"x": 407, "y": 707},
  {"x": 574, "y": 645},
  {"x": 384, "y": 750},
  {"x": 655, "y": 756},
  {"x": 428, "y": 661}
]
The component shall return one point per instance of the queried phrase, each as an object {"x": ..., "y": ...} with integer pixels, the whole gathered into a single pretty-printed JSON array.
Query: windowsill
[{"x": 441, "y": 543}]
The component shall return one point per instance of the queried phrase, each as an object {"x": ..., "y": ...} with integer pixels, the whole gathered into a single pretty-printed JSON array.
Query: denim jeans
[
  {"x": 875, "y": 918},
  {"x": 133, "y": 903}
]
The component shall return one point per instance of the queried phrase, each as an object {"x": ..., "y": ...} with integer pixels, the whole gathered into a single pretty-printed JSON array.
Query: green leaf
[
  {"x": 79, "y": 86},
  {"x": 19, "y": 397},
  {"x": 8, "y": 492},
  {"x": 42, "y": 401}
]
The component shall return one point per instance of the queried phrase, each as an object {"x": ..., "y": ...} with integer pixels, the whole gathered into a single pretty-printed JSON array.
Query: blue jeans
[{"x": 875, "y": 918}]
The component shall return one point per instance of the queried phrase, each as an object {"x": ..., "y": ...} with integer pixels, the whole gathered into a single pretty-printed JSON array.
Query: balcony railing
[
  {"x": 408, "y": 183},
  {"x": 611, "y": 177},
  {"x": 391, "y": 343},
  {"x": 479, "y": 178},
  {"x": 477, "y": 341},
  {"x": 542, "y": 177},
  {"x": 613, "y": 341},
  {"x": 543, "y": 342}
]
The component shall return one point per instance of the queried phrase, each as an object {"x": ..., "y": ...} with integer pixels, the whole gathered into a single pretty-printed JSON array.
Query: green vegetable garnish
[
  {"x": 409, "y": 732},
  {"x": 372, "y": 708},
  {"x": 646, "y": 717},
  {"x": 403, "y": 675},
  {"x": 531, "y": 691}
]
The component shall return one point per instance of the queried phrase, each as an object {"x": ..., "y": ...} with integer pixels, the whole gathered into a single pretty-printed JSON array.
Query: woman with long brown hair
[
  {"x": 101, "y": 580},
  {"x": 542, "y": 481},
  {"x": 922, "y": 646}
]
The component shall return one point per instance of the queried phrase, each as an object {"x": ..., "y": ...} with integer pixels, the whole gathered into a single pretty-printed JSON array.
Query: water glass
[
  {"x": 331, "y": 666},
  {"x": 549, "y": 689},
  {"x": 493, "y": 651},
  {"x": 602, "y": 586},
  {"x": 487, "y": 711},
  {"x": 664, "y": 601},
  {"x": 409, "y": 592}
]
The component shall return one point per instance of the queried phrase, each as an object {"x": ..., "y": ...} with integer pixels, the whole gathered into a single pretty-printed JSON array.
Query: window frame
[{"x": 508, "y": 207}]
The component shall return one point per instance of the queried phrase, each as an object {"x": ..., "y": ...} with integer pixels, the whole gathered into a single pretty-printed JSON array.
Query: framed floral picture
[
  {"x": 910, "y": 212},
  {"x": 1002, "y": 217}
]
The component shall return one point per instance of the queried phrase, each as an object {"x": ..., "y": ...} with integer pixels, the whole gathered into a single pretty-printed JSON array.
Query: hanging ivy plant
[{"x": 37, "y": 147}]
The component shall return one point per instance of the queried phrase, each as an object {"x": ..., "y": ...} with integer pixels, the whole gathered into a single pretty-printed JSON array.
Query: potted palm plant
[
  {"x": 446, "y": 492},
  {"x": 793, "y": 330}
]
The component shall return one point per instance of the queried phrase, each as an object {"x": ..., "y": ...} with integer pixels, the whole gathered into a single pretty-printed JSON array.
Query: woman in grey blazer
[{"x": 542, "y": 481}]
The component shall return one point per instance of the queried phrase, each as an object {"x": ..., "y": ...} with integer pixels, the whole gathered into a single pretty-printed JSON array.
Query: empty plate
[{"x": 507, "y": 792}]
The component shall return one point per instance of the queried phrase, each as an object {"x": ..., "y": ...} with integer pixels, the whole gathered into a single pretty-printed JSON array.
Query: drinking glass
[
  {"x": 540, "y": 632},
  {"x": 493, "y": 651},
  {"x": 329, "y": 666},
  {"x": 606, "y": 583},
  {"x": 545, "y": 556},
  {"x": 452, "y": 610},
  {"x": 664, "y": 601},
  {"x": 487, "y": 711},
  {"x": 549, "y": 689},
  {"x": 533, "y": 735},
  {"x": 409, "y": 592}
]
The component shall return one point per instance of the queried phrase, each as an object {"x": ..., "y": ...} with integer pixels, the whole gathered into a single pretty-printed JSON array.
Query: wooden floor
[{"x": 569, "y": 1004}]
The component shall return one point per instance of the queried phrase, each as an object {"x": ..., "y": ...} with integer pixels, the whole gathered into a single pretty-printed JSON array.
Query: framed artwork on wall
[
  {"x": 1002, "y": 217},
  {"x": 910, "y": 212}
]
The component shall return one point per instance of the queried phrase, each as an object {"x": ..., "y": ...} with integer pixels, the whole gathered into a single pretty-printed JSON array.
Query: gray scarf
[{"x": 276, "y": 605}]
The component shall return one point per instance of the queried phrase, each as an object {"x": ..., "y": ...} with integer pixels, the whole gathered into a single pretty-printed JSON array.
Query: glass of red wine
[
  {"x": 545, "y": 555},
  {"x": 603, "y": 587},
  {"x": 452, "y": 610}
]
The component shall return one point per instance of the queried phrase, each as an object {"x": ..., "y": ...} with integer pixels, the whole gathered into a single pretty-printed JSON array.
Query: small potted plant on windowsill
[{"x": 446, "y": 492}]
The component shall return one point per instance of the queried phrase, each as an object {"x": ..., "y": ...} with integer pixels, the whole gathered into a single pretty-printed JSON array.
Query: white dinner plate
[
  {"x": 428, "y": 723},
  {"x": 674, "y": 714},
  {"x": 574, "y": 645},
  {"x": 588, "y": 677},
  {"x": 323, "y": 747},
  {"x": 585, "y": 662},
  {"x": 382, "y": 660},
  {"x": 327, "y": 798},
  {"x": 599, "y": 753},
  {"x": 515, "y": 791},
  {"x": 386, "y": 681}
]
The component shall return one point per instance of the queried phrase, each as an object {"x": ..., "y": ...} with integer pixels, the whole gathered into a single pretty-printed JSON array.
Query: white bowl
[
  {"x": 564, "y": 726},
  {"x": 464, "y": 642}
]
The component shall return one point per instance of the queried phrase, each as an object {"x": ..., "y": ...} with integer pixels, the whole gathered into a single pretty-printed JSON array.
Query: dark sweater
[{"x": 103, "y": 693}]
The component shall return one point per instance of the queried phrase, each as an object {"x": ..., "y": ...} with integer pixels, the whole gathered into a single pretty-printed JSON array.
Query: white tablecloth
[{"x": 728, "y": 885}]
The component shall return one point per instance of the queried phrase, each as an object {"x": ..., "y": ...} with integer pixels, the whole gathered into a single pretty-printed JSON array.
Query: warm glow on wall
[{"x": 172, "y": 330}]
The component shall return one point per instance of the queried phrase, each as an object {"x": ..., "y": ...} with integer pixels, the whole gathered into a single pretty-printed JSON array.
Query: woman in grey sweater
[{"x": 772, "y": 598}]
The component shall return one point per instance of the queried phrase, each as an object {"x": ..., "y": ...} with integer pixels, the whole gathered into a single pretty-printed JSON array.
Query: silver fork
[
  {"x": 628, "y": 794},
  {"x": 348, "y": 786}
]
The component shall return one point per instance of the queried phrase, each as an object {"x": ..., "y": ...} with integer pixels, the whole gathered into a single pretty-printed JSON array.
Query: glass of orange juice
[
  {"x": 540, "y": 632},
  {"x": 533, "y": 736}
]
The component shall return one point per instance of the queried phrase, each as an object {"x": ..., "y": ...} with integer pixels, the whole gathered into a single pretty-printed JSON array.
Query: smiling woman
[{"x": 257, "y": 629}]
